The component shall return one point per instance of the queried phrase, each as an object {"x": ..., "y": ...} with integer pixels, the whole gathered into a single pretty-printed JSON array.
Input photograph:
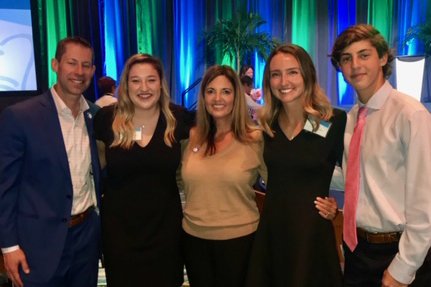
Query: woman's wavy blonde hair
[
  {"x": 122, "y": 126},
  {"x": 315, "y": 103},
  {"x": 242, "y": 124}
]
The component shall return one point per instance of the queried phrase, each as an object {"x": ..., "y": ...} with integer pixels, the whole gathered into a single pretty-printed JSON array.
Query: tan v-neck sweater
[{"x": 220, "y": 201}]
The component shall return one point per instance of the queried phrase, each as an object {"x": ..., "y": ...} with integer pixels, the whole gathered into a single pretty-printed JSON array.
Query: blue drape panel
[
  {"x": 278, "y": 16},
  {"x": 345, "y": 16},
  {"x": 119, "y": 35},
  {"x": 189, "y": 19}
]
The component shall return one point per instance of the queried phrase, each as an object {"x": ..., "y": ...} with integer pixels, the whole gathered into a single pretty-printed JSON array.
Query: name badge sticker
[
  {"x": 321, "y": 131},
  {"x": 138, "y": 134}
]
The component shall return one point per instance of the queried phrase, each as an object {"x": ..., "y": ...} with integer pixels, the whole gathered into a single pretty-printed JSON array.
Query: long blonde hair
[
  {"x": 242, "y": 124},
  {"x": 315, "y": 103},
  {"x": 125, "y": 110}
]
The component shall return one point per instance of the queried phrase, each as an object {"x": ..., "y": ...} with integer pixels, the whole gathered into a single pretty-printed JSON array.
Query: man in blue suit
[{"x": 49, "y": 179}]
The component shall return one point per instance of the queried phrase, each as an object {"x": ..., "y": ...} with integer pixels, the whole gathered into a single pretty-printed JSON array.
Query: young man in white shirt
[{"x": 392, "y": 237}]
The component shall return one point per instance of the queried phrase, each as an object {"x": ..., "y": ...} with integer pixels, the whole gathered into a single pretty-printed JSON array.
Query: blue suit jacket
[{"x": 35, "y": 182}]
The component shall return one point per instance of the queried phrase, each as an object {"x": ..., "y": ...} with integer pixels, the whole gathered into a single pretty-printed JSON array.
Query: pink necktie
[{"x": 352, "y": 182}]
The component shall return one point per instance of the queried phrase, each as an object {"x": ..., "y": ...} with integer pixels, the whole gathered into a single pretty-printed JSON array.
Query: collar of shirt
[
  {"x": 61, "y": 106},
  {"x": 379, "y": 98}
]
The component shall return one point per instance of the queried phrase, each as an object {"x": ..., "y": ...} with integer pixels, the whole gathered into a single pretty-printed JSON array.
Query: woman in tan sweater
[{"x": 220, "y": 165}]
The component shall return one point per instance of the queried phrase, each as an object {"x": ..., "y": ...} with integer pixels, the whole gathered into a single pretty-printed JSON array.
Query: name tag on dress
[
  {"x": 138, "y": 134},
  {"x": 321, "y": 131}
]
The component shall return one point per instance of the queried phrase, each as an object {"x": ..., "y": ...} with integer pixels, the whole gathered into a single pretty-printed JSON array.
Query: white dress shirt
[
  {"x": 395, "y": 175},
  {"x": 106, "y": 100},
  {"x": 77, "y": 144}
]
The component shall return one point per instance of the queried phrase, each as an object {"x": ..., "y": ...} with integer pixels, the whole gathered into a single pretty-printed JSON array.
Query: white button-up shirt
[
  {"x": 106, "y": 100},
  {"x": 77, "y": 144},
  {"x": 395, "y": 174}
]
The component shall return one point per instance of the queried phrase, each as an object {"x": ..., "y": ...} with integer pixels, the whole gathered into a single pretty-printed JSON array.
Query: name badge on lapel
[{"x": 321, "y": 131}]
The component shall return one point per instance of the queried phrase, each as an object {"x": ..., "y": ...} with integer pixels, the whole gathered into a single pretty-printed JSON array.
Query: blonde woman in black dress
[{"x": 141, "y": 209}]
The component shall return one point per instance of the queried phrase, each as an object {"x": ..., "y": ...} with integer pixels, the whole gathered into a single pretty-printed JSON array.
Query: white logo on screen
[{"x": 17, "y": 70}]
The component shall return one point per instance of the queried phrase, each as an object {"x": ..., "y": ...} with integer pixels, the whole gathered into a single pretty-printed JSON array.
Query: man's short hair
[
  {"x": 61, "y": 46},
  {"x": 246, "y": 80},
  {"x": 106, "y": 85},
  {"x": 358, "y": 33}
]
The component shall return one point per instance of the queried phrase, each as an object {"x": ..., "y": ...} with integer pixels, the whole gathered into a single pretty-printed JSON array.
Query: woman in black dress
[
  {"x": 141, "y": 209},
  {"x": 294, "y": 245}
]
